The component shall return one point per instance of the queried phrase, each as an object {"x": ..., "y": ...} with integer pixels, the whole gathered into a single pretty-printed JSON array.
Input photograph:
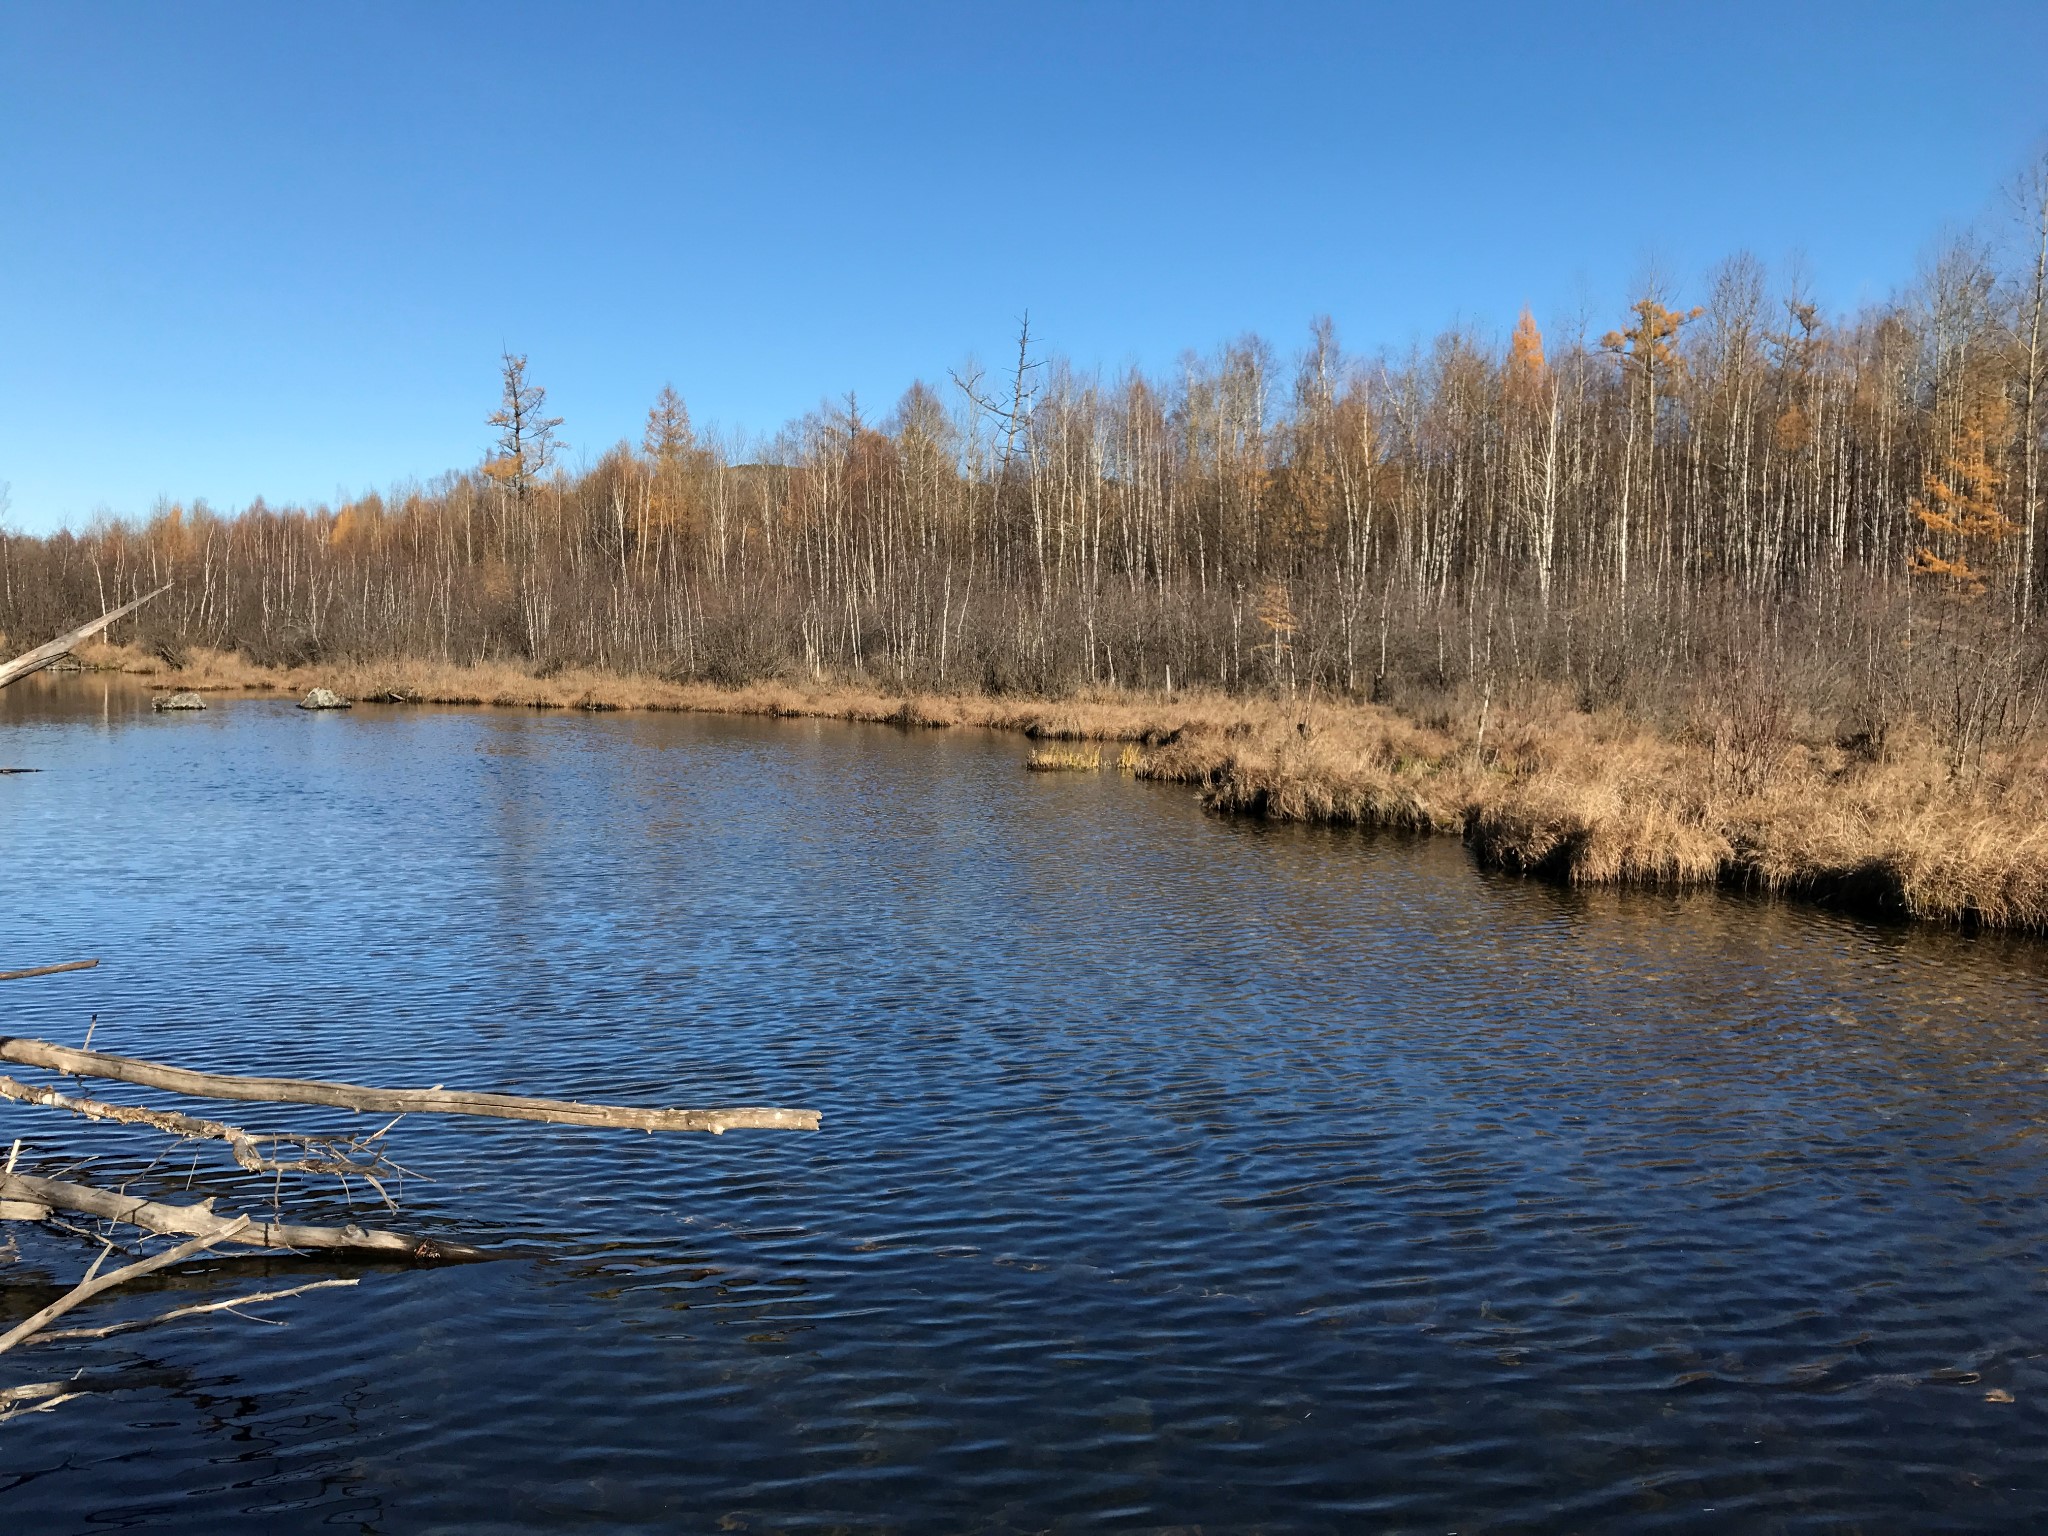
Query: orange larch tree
[{"x": 1958, "y": 507}]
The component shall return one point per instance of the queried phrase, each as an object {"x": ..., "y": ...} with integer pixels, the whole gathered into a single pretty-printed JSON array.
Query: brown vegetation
[{"x": 1059, "y": 759}]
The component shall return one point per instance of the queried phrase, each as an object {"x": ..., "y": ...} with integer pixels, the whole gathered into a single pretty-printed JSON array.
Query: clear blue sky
[{"x": 276, "y": 249}]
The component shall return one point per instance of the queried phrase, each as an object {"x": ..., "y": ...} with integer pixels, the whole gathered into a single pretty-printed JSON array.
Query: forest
[{"x": 1739, "y": 494}]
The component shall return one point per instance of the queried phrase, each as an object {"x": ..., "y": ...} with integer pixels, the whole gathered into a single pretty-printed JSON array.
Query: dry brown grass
[
  {"x": 1557, "y": 793},
  {"x": 1064, "y": 759}
]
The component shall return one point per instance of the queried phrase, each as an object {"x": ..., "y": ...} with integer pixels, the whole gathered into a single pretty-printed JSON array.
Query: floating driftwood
[
  {"x": 195, "y": 1309},
  {"x": 358, "y": 1157},
  {"x": 48, "y": 970},
  {"x": 43, "y": 655},
  {"x": 30, "y": 1197},
  {"x": 394, "y": 1101},
  {"x": 95, "y": 1282},
  {"x": 199, "y": 1219}
]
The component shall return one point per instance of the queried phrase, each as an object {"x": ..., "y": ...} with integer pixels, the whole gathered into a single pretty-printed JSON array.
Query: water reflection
[{"x": 1177, "y": 1173}]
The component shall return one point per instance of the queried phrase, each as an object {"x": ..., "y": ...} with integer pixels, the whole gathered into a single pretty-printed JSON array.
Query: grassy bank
[{"x": 1774, "y": 805}]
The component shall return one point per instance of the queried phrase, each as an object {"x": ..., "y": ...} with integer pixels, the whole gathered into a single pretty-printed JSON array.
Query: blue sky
[{"x": 276, "y": 250}]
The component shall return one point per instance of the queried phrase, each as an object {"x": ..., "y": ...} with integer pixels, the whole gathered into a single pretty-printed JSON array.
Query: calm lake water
[{"x": 1176, "y": 1173}]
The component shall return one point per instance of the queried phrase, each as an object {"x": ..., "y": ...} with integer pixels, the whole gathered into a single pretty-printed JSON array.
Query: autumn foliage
[{"x": 1706, "y": 501}]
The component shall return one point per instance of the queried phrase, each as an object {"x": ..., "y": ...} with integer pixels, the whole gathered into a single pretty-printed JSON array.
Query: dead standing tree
[
  {"x": 32, "y": 1197},
  {"x": 526, "y": 450}
]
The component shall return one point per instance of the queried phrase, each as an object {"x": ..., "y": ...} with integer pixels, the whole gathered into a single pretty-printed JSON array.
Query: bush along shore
[{"x": 1754, "y": 796}]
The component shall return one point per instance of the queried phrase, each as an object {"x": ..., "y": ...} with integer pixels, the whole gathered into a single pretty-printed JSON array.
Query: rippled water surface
[{"x": 1176, "y": 1173}]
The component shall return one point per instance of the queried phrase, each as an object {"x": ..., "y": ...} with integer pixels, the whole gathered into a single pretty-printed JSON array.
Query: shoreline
[{"x": 1883, "y": 829}]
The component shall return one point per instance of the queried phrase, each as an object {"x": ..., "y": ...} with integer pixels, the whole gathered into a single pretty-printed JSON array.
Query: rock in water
[
  {"x": 180, "y": 701},
  {"x": 323, "y": 698}
]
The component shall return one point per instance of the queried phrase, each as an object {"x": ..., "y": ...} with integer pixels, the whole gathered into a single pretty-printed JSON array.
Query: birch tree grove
[{"x": 1749, "y": 493}]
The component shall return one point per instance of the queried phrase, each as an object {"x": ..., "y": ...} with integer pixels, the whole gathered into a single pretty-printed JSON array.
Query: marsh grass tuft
[{"x": 1065, "y": 759}]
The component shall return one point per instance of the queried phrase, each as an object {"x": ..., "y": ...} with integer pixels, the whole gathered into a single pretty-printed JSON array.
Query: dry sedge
[{"x": 1065, "y": 759}]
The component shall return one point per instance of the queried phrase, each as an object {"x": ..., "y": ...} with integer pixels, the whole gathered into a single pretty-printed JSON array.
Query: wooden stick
[
  {"x": 34, "y": 1397},
  {"x": 29, "y": 1391},
  {"x": 110, "y": 1329},
  {"x": 93, "y": 1284},
  {"x": 395, "y": 1101},
  {"x": 245, "y": 1148},
  {"x": 48, "y": 970},
  {"x": 174, "y": 1219},
  {"x": 43, "y": 655}
]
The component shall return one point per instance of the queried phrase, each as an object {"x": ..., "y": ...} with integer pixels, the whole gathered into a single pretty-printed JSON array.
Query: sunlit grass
[{"x": 1065, "y": 759}]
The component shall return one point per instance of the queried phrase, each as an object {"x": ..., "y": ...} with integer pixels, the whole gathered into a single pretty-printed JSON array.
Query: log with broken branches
[
  {"x": 32, "y": 1197},
  {"x": 356, "y": 1157},
  {"x": 174, "y": 1220},
  {"x": 95, "y": 1282},
  {"x": 36, "y": 1397},
  {"x": 43, "y": 655},
  {"x": 393, "y": 1101}
]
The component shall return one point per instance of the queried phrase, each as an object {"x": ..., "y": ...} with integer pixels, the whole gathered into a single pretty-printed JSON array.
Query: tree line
[{"x": 1740, "y": 497}]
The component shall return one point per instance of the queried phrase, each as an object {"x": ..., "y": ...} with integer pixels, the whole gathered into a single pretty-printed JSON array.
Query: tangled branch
[{"x": 360, "y": 1157}]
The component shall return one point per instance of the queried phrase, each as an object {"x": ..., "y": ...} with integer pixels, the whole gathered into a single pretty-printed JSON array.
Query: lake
[{"x": 1176, "y": 1173}]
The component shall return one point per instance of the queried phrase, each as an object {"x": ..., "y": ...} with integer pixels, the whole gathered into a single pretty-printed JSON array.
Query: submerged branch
[
  {"x": 35, "y": 1397},
  {"x": 395, "y": 1101},
  {"x": 356, "y": 1157},
  {"x": 94, "y": 1282},
  {"x": 108, "y": 1330},
  {"x": 173, "y": 1220}
]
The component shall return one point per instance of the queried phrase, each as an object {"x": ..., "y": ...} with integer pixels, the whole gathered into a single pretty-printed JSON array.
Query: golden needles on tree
[
  {"x": 1958, "y": 507},
  {"x": 1525, "y": 376}
]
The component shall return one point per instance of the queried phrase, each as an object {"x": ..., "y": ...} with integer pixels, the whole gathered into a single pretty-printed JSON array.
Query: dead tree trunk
[
  {"x": 395, "y": 1101},
  {"x": 43, "y": 655},
  {"x": 172, "y": 1220}
]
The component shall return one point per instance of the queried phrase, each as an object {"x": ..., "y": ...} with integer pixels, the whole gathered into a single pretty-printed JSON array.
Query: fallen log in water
[
  {"x": 44, "y": 1395},
  {"x": 95, "y": 1282},
  {"x": 30, "y": 1197},
  {"x": 195, "y": 1309},
  {"x": 177, "y": 1220},
  {"x": 359, "y": 1158},
  {"x": 43, "y": 655},
  {"x": 47, "y": 970},
  {"x": 394, "y": 1101}
]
